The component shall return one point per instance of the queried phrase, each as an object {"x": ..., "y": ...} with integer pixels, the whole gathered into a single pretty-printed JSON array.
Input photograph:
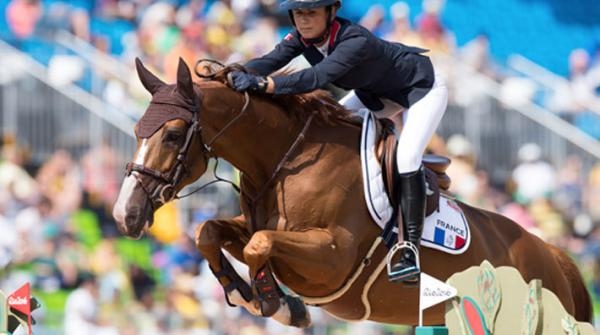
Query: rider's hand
[{"x": 243, "y": 81}]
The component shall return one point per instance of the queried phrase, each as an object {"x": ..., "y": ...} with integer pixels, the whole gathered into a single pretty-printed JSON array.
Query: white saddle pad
[{"x": 445, "y": 229}]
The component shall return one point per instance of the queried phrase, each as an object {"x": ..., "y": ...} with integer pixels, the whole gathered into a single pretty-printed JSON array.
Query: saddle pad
[
  {"x": 445, "y": 229},
  {"x": 375, "y": 195}
]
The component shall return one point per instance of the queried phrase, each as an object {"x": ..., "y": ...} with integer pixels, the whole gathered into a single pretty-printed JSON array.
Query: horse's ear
[
  {"x": 184, "y": 80},
  {"x": 149, "y": 80}
]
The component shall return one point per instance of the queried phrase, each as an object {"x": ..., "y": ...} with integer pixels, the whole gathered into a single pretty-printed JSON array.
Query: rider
[{"x": 391, "y": 79}]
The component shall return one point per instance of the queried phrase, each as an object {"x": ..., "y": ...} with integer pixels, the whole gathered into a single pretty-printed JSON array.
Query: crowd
[{"x": 57, "y": 231}]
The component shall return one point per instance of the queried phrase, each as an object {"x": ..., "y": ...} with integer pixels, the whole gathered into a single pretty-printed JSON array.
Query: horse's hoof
[
  {"x": 269, "y": 305},
  {"x": 299, "y": 315}
]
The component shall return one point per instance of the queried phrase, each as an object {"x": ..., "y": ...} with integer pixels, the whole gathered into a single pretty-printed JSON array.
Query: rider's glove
[{"x": 243, "y": 81}]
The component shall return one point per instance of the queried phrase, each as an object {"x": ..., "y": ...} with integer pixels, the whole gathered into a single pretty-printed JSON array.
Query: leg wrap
[{"x": 235, "y": 281}]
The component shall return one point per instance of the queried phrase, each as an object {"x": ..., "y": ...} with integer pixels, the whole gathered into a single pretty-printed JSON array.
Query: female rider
[{"x": 391, "y": 79}]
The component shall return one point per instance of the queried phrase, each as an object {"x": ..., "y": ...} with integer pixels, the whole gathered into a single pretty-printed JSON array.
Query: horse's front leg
[
  {"x": 211, "y": 237},
  {"x": 311, "y": 254},
  {"x": 232, "y": 235}
]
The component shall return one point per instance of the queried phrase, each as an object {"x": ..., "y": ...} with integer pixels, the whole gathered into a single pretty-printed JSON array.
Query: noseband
[{"x": 167, "y": 181}]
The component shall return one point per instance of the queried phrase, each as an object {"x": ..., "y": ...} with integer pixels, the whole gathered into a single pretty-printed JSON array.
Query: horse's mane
[{"x": 298, "y": 106}]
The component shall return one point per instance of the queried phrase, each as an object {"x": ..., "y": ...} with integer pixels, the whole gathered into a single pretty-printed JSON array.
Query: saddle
[{"x": 435, "y": 167}]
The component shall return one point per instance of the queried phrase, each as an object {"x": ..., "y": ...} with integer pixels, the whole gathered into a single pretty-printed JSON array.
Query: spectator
[
  {"x": 190, "y": 46},
  {"x": 462, "y": 169},
  {"x": 81, "y": 309},
  {"x": 519, "y": 214},
  {"x": 59, "y": 180},
  {"x": 568, "y": 197},
  {"x": 13, "y": 176},
  {"x": 47, "y": 276},
  {"x": 584, "y": 102},
  {"x": 373, "y": 19},
  {"x": 402, "y": 30},
  {"x": 8, "y": 238},
  {"x": 534, "y": 178},
  {"x": 582, "y": 90},
  {"x": 258, "y": 39},
  {"x": 100, "y": 184},
  {"x": 592, "y": 196},
  {"x": 32, "y": 225},
  {"x": 22, "y": 17},
  {"x": 477, "y": 55},
  {"x": 432, "y": 31},
  {"x": 147, "y": 315},
  {"x": 71, "y": 259}
]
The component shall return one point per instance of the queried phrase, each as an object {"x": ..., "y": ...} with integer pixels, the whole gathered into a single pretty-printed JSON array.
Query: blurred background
[{"x": 522, "y": 129}]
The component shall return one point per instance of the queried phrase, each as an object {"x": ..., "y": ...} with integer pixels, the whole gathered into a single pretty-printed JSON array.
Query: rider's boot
[{"x": 412, "y": 205}]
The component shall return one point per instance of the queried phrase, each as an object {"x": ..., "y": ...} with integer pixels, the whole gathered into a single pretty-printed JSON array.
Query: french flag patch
[
  {"x": 448, "y": 238},
  {"x": 447, "y": 229}
]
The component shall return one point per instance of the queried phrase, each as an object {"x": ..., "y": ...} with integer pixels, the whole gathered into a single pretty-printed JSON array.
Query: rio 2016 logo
[{"x": 15, "y": 310}]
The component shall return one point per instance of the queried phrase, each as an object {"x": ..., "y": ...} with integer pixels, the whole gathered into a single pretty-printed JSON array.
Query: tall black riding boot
[{"x": 412, "y": 204}]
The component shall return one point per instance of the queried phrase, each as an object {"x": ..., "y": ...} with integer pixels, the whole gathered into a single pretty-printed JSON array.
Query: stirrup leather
[{"x": 396, "y": 249}]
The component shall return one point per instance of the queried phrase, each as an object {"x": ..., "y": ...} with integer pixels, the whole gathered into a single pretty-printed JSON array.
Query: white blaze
[
  {"x": 141, "y": 156},
  {"x": 119, "y": 210}
]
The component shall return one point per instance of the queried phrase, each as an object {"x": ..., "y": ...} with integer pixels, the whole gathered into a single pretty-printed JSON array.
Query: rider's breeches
[{"x": 419, "y": 122}]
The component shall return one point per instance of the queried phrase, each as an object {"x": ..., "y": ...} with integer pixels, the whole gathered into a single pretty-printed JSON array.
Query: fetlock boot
[{"x": 412, "y": 205}]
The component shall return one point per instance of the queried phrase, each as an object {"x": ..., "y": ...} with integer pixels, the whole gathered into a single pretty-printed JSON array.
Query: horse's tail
[{"x": 581, "y": 297}]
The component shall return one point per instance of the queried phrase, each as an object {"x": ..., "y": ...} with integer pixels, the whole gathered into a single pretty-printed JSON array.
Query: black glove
[{"x": 243, "y": 81}]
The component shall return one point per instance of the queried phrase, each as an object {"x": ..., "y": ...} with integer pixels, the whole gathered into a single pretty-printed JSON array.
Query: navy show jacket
[{"x": 357, "y": 60}]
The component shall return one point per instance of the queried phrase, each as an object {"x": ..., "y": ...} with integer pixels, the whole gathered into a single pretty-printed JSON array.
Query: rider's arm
[{"x": 349, "y": 53}]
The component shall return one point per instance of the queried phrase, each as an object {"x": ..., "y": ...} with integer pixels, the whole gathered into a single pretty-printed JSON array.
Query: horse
[{"x": 304, "y": 224}]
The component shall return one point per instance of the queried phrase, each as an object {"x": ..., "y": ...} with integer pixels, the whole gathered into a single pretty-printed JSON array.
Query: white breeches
[{"x": 418, "y": 123}]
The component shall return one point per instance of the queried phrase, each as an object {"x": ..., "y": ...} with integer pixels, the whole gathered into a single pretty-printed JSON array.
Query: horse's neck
[
  {"x": 259, "y": 143},
  {"x": 265, "y": 136}
]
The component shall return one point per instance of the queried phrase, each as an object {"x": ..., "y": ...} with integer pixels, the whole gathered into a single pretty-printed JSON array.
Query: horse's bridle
[
  {"x": 165, "y": 187},
  {"x": 167, "y": 181},
  {"x": 164, "y": 191}
]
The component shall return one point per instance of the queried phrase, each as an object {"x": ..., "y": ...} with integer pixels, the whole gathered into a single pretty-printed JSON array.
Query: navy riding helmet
[{"x": 288, "y": 5}]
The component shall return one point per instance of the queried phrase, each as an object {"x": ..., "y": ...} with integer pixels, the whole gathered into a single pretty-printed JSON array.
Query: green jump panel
[{"x": 436, "y": 330}]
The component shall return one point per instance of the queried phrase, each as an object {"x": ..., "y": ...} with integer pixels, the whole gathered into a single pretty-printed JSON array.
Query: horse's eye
[{"x": 173, "y": 136}]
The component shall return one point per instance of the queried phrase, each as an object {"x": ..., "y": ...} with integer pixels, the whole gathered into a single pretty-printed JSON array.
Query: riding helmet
[{"x": 288, "y": 5}]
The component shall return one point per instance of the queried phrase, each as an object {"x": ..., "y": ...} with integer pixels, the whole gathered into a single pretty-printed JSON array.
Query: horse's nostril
[
  {"x": 131, "y": 217},
  {"x": 133, "y": 213}
]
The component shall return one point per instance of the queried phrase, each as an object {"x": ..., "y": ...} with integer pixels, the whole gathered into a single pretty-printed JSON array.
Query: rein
[
  {"x": 208, "y": 146},
  {"x": 165, "y": 190},
  {"x": 252, "y": 202}
]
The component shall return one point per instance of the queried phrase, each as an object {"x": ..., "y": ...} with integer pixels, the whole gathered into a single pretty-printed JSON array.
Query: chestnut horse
[{"x": 304, "y": 218}]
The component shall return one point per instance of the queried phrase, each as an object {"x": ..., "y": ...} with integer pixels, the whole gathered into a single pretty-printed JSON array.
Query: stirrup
[{"x": 393, "y": 251}]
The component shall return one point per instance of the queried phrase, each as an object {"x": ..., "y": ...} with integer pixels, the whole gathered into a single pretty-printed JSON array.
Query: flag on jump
[
  {"x": 20, "y": 300},
  {"x": 433, "y": 291}
]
